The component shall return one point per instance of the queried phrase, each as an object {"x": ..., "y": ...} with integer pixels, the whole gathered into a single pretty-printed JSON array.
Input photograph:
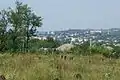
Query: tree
[
  {"x": 3, "y": 28},
  {"x": 23, "y": 23}
]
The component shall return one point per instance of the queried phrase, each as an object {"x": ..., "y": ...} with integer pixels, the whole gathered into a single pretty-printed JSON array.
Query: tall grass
[{"x": 53, "y": 67}]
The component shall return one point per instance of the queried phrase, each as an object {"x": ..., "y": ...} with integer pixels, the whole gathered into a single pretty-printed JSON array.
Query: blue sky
[{"x": 73, "y": 14}]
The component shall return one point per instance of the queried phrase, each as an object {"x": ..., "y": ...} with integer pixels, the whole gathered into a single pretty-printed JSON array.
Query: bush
[
  {"x": 100, "y": 50},
  {"x": 36, "y": 44},
  {"x": 116, "y": 52},
  {"x": 85, "y": 49},
  {"x": 82, "y": 49}
]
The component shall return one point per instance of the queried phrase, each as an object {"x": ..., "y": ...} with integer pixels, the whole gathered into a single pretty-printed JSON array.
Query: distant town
[{"x": 79, "y": 36}]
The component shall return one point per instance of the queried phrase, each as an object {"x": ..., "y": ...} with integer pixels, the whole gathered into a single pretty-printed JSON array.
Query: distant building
[{"x": 40, "y": 38}]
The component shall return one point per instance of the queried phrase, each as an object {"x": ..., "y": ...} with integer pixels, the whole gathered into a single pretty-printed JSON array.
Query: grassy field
[{"x": 53, "y": 67}]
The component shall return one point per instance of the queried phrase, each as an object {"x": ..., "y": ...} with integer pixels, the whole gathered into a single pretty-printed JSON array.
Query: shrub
[{"x": 82, "y": 49}]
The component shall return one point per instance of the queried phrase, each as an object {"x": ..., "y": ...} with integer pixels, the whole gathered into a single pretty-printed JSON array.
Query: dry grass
[{"x": 52, "y": 67}]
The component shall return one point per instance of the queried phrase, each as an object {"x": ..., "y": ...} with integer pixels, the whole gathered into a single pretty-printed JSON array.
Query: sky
[{"x": 73, "y": 14}]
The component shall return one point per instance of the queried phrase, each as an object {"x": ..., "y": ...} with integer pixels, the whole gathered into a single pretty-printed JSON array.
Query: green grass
[{"x": 52, "y": 67}]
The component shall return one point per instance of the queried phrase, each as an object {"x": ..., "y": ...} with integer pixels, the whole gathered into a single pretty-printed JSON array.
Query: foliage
[
  {"x": 3, "y": 32},
  {"x": 36, "y": 44},
  {"x": 85, "y": 49},
  {"x": 100, "y": 50},
  {"x": 116, "y": 52},
  {"x": 21, "y": 23},
  {"x": 82, "y": 49}
]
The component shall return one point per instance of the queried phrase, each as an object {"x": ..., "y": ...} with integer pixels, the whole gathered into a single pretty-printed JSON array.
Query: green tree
[
  {"x": 3, "y": 29},
  {"x": 24, "y": 23}
]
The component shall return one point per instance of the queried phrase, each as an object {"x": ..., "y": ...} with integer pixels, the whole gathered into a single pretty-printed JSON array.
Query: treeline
[{"x": 17, "y": 26}]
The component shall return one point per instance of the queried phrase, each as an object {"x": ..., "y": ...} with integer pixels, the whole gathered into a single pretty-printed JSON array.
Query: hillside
[{"x": 57, "y": 67}]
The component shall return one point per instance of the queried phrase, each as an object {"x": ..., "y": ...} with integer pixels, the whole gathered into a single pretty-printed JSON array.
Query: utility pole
[
  {"x": 90, "y": 44},
  {"x": 90, "y": 41}
]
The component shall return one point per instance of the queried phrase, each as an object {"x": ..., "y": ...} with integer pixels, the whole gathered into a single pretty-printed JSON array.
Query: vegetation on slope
[
  {"x": 81, "y": 64},
  {"x": 55, "y": 67}
]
